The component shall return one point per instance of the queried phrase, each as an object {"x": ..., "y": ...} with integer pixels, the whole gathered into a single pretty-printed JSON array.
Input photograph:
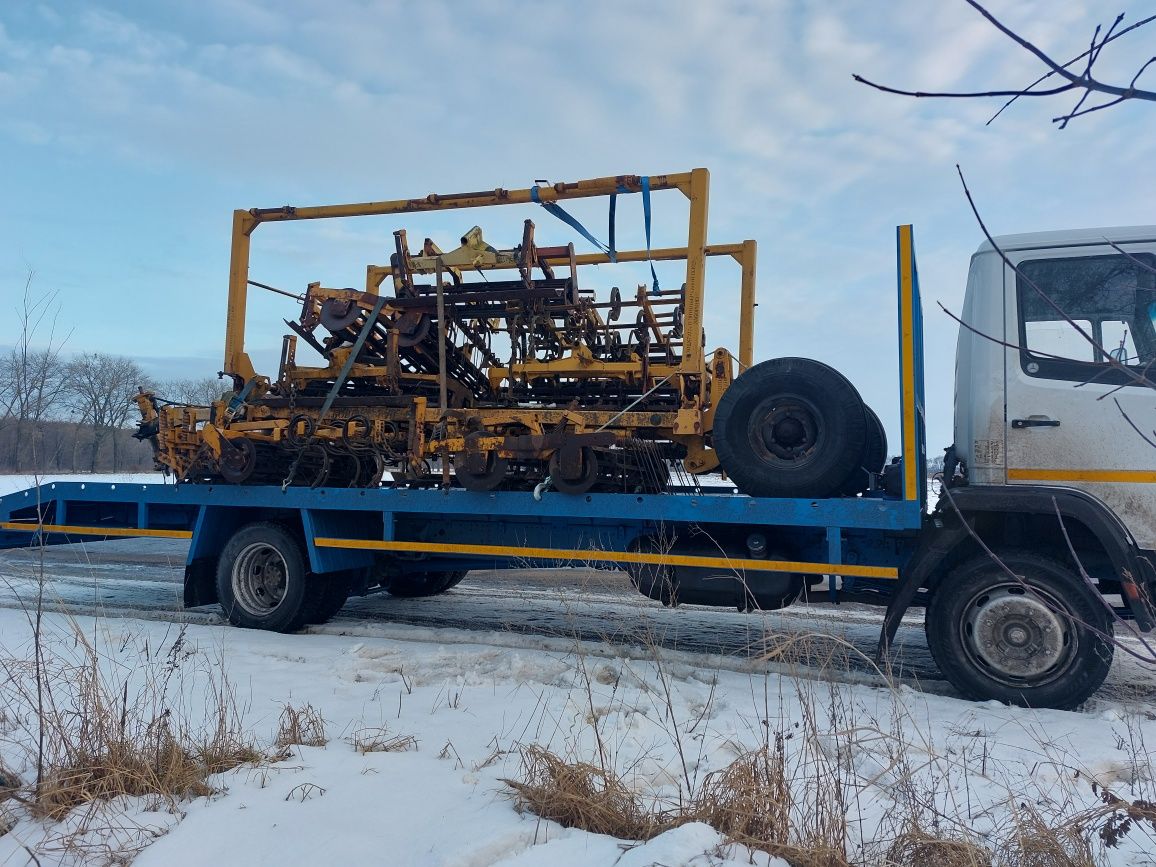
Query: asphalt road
[{"x": 142, "y": 578}]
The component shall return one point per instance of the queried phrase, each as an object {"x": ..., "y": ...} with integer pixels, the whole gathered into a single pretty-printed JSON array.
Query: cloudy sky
[{"x": 130, "y": 130}]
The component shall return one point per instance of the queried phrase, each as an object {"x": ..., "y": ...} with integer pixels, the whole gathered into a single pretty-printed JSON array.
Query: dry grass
[
  {"x": 90, "y": 737},
  {"x": 1035, "y": 842},
  {"x": 157, "y": 764},
  {"x": 379, "y": 740},
  {"x": 750, "y": 802},
  {"x": 582, "y": 795},
  {"x": 917, "y": 848},
  {"x": 750, "y": 799},
  {"x": 301, "y": 726}
]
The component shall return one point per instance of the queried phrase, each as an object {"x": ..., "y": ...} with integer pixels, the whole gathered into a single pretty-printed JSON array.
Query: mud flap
[{"x": 941, "y": 533}]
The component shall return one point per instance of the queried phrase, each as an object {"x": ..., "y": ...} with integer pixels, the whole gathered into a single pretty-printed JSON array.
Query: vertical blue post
[{"x": 835, "y": 556}]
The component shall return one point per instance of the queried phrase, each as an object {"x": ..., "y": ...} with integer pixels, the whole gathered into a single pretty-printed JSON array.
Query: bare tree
[
  {"x": 1073, "y": 77},
  {"x": 31, "y": 377},
  {"x": 195, "y": 392},
  {"x": 101, "y": 388}
]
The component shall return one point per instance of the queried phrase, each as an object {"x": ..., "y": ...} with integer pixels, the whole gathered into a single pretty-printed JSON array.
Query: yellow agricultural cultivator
[{"x": 496, "y": 368}]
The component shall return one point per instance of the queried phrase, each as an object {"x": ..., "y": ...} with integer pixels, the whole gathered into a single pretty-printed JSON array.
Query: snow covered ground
[
  {"x": 884, "y": 755},
  {"x": 664, "y": 724}
]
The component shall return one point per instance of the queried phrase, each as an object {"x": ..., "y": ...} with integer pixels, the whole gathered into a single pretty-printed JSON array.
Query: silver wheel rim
[
  {"x": 1018, "y": 636},
  {"x": 260, "y": 574}
]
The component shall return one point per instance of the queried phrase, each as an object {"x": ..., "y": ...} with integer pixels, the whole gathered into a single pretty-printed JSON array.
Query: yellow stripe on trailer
[
  {"x": 73, "y": 530},
  {"x": 601, "y": 556}
]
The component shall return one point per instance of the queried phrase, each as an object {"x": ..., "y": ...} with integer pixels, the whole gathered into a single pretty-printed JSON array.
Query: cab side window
[{"x": 1111, "y": 298}]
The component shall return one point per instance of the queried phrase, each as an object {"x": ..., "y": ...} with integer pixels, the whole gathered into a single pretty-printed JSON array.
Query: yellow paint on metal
[
  {"x": 602, "y": 556},
  {"x": 71, "y": 530},
  {"x": 236, "y": 360},
  {"x": 458, "y": 201},
  {"x": 688, "y": 373},
  {"x": 245, "y": 222},
  {"x": 907, "y": 336},
  {"x": 693, "y": 361},
  {"x": 1027, "y": 474},
  {"x": 748, "y": 259},
  {"x": 376, "y": 274}
]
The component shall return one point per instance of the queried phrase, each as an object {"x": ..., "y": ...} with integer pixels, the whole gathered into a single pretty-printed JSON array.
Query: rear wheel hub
[{"x": 1017, "y": 635}]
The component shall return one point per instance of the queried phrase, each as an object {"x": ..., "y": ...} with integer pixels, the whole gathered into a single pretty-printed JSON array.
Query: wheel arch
[
  {"x": 214, "y": 526},
  {"x": 1023, "y": 516},
  {"x": 1101, "y": 541}
]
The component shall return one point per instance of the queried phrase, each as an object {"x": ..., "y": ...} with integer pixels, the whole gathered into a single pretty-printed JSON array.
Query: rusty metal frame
[
  {"x": 699, "y": 380},
  {"x": 693, "y": 184}
]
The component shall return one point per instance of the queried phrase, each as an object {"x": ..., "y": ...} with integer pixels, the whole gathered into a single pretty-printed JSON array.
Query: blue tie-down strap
[
  {"x": 646, "y": 223},
  {"x": 567, "y": 218}
]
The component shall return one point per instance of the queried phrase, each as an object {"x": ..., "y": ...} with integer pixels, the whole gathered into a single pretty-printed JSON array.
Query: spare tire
[
  {"x": 790, "y": 427},
  {"x": 874, "y": 456}
]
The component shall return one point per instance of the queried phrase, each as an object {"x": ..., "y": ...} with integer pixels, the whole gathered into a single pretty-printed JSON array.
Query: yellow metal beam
[
  {"x": 376, "y": 274},
  {"x": 244, "y": 223},
  {"x": 601, "y": 556},
  {"x": 236, "y": 360},
  {"x": 481, "y": 199},
  {"x": 692, "y": 355},
  {"x": 748, "y": 259}
]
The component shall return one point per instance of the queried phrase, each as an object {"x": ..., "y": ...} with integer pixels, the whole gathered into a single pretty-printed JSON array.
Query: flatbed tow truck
[{"x": 1026, "y": 565}]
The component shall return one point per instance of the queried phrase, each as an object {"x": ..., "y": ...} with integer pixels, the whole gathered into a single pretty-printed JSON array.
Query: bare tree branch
[
  {"x": 996, "y": 340},
  {"x": 1139, "y": 263},
  {"x": 1132, "y": 424},
  {"x": 1083, "y": 83},
  {"x": 1047, "y": 75}
]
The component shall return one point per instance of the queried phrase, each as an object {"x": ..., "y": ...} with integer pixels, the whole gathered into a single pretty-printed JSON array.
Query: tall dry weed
[{"x": 93, "y": 733}]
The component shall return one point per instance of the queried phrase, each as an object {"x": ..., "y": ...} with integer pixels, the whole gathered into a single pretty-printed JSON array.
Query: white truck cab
[
  {"x": 1044, "y": 538},
  {"x": 1036, "y": 402}
]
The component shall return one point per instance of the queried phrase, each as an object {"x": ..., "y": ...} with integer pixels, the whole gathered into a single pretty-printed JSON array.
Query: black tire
[
  {"x": 263, "y": 581},
  {"x": 874, "y": 455},
  {"x": 1047, "y": 645},
  {"x": 489, "y": 479},
  {"x": 332, "y": 594},
  {"x": 583, "y": 482},
  {"x": 414, "y": 585},
  {"x": 790, "y": 427}
]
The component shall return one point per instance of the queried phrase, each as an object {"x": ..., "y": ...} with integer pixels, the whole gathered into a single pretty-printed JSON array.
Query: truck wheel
[
  {"x": 262, "y": 581},
  {"x": 332, "y": 594},
  {"x": 1037, "y": 646},
  {"x": 418, "y": 584},
  {"x": 874, "y": 455},
  {"x": 790, "y": 427}
]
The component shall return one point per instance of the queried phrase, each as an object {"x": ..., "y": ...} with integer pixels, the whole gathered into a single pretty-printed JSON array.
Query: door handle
[{"x": 1020, "y": 423}]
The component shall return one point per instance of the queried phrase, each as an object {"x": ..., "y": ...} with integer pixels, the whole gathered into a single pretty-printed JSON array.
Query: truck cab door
[{"x": 1072, "y": 420}]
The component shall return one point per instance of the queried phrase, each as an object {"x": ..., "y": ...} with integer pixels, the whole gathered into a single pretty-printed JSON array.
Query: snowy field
[{"x": 411, "y": 733}]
